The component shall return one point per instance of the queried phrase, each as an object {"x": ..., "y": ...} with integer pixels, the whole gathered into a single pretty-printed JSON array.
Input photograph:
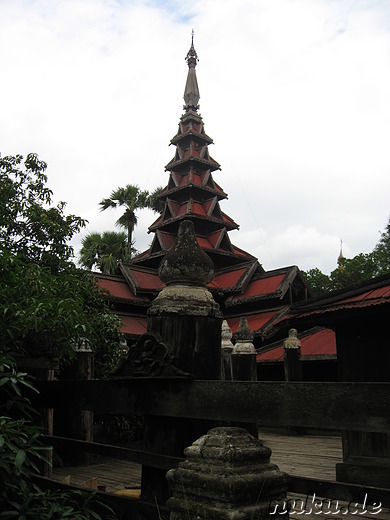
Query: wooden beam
[
  {"x": 154, "y": 460},
  {"x": 335, "y": 406}
]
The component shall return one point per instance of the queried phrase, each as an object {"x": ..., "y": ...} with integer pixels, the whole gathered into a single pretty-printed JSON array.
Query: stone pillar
[
  {"x": 186, "y": 317},
  {"x": 185, "y": 313},
  {"x": 292, "y": 357},
  {"x": 244, "y": 366},
  {"x": 227, "y": 474},
  {"x": 226, "y": 352}
]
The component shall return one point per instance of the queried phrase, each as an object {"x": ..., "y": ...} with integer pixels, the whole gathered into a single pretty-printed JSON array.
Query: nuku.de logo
[{"x": 311, "y": 505}]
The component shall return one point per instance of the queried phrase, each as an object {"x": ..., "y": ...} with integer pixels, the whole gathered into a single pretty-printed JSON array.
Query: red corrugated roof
[
  {"x": 261, "y": 287},
  {"x": 203, "y": 242},
  {"x": 133, "y": 325},
  {"x": 227, "y": 219},
  {"x": 198, "y": 208},
  {"x": 239, "y": 251},
  {"x": 168, "y": 239},
  {"x": 374, "y": 294},
  {"x": 147, "y": 280},
  {"x": 361, "y": 301},
  {"x": 214, "y": 237},
  {"x": 255, "y": 322},
  {"x": 225, "y": 280},
  {"x": 117, "y": 289},
  {"x": 319, "y": 343}
]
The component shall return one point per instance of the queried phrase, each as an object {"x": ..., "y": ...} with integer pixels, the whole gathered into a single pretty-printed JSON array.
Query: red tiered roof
[
  {"x": 192, "y": 193},
  {"x": 133, "y": 325},
  {"x": 261, "y": 287},
  {"x": 118, "y": 288}
]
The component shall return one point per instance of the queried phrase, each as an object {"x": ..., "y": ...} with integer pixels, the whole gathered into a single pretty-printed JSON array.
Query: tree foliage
[
  {"x": 132, "y": 198},
  {"x": 353, "y": 271},
  {"x": 47, "y": 305},
  {"x": 22, "y": 453},
  {"x": 31, "y": 228},
  {"x": 105, "y": 250}
]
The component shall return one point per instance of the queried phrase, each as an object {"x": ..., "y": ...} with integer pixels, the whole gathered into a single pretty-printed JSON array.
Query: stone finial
[
  {"x": 227, "y": 474},
  {"x": 186, "y": 263},
  {"x": 226, "y": 336},
  {"x": 292, "y": 341},
  {"x": 243, "y": 337}
]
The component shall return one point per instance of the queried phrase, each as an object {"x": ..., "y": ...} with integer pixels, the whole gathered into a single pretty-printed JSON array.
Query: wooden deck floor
[{"x": 308, "y": 456}]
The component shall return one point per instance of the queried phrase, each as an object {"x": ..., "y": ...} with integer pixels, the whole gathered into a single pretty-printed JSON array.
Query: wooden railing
[{"x": 333, "y": 406}]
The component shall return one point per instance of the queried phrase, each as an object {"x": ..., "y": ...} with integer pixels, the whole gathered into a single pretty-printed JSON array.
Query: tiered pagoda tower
[
  {"x": 191, "y": 192},
  {"x": 241, "y": 286}
]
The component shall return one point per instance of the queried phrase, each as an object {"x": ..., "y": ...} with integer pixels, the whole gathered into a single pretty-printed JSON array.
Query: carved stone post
[
  {"x": 244, "y": 354},
  {"x": 244, "y": 362},
  {"x": 292, "y": 357},
  {"x": 185, "y": 313},
  {"x": 226, "y": 352},
  {"x": 227, "y": 474},
  {"x": 188, "y": 320}
]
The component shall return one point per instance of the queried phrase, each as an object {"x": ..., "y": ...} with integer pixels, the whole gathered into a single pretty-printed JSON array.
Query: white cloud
[{"x": 295, "y": 95}]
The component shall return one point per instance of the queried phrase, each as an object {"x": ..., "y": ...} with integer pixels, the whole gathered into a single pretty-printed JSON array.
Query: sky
[{"x": 294, "y": 93}]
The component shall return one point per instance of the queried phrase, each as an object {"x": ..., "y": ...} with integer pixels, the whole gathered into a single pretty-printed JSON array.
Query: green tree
[
  {"x": 353, "y": 271},
  {"x": 318, "y": 282},
  {"x": 21, "y": 455},
  {"x": 132, "y": 198},
  {"x": 47, "y": 305},
  {"x": 105, "y": 250},
  {"x": 381, "y": 251}
]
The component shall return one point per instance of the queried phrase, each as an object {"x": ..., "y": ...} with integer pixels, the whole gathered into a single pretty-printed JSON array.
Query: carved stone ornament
[
  {"x": 292, "y": 341},
  {"x": 227, "y": 474},
  {"x": 150, "y": 357},
  {"x": 226, "y": 336},
  {"x": 186, "y": 263},
  {"x": 243, "y": 338}
]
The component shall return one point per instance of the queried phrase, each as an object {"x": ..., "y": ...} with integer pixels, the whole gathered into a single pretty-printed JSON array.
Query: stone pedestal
[{"x": 227, "y": 475}]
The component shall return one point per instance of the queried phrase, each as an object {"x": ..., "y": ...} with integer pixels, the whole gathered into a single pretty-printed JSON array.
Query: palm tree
[
  {"x": 131, "y": 198},
  {"x": 105, "y": 251}
]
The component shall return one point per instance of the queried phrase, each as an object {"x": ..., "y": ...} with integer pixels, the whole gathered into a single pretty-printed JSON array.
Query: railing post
[
  {"x": 226, "y": 352},
  {"x": 227, "y": 474},
  {"x": 292, "y": 357},
  {"x": 243, "y": 359}
]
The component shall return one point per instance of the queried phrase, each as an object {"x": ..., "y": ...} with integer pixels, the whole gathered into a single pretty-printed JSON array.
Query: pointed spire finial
[
  {"x": 191, "y": 92},
  {"x": 192, "y": 57},
  {"x": 341, "y": 257}
]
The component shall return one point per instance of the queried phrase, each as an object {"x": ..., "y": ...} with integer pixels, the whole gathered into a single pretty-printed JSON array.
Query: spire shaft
[{"x": 191, "y": 91}]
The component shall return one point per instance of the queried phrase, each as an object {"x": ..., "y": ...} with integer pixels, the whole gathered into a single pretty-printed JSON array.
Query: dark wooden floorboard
[{"x": 307, "y": 456}]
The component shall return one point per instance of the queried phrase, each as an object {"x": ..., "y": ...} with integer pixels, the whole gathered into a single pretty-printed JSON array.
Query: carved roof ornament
[
  {"x": 292, "y": 341},
  {"x": 191, "y": 91},
  {"x": 186, "y": 263},
  {"x": 226, "y": 335},
  {"x": 244, "y": 337}
]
